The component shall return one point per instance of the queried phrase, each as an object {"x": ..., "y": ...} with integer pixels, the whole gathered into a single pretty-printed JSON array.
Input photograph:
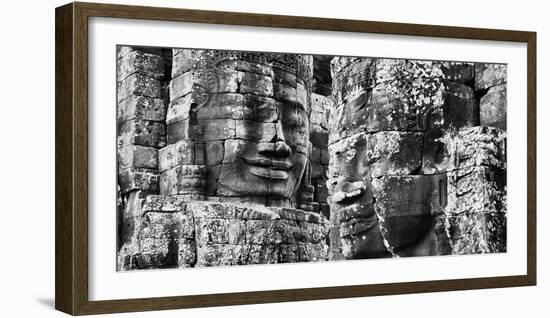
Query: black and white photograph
[{"x": 237, "y": 158}]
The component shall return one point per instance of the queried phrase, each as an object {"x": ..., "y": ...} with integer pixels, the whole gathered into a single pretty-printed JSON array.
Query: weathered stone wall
[
  {"x": 179, "y": 233},
  {"x": 141, "y": 131},
  {"x": 414, "y": 168}
]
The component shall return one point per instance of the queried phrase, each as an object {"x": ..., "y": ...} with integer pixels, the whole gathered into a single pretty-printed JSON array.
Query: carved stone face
[
  {"x": 383, "y": 206},
  {"x": 256, "y": 132},
  {"x": 272, "y": 159}
]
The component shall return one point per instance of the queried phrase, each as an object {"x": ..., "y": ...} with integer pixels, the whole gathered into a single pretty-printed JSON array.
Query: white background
[{"x": 27, "y": 55}]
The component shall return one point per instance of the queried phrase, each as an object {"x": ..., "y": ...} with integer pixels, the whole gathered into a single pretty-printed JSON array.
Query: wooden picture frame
[{"x": 71, "y": 89}]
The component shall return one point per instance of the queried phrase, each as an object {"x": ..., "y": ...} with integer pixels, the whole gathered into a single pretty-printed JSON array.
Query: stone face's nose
[{"x": 277, "y": 147}]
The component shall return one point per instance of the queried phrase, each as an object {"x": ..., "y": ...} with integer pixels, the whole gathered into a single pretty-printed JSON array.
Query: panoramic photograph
[{"x": 229, "y": 158}]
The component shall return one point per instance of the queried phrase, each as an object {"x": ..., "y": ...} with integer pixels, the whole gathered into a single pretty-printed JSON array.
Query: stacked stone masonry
[{"x": 234, "y": 158}]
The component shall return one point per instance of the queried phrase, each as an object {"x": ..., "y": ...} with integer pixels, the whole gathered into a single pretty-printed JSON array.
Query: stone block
[
  {"x": 221, "y": 210},
  {"x": 220, "y": 231},
  {"x": 478, "y": 232},
  {"x": 368, "y": 243},
  {"x": 218, "y": 129},
  {"x": 348, "y": 158},
  {"x": 226, "y": 106},
  {"x": 183, "y": 61},
  {"x": 477, "y": 189},
  {"x": 163, "y": 203},
  {"x": 158, "y": 257},
  {"x": 265, "y": 109},
  {"x": 318, "y": 170},
  {"x": 159, "y": 226},
  {"x": 176, "y": 154},
  {"x": 236, "y": 180},
  {"x": 255, "y": 132},
  {"x": 212, "y": 178},
  {"x": 272, "y": 232},
  {"x": 138, "y": 85},
  {"x": 353, "y": 79},
  {"x": 234, "y": 149},
  {"x": 488, "y": 75},
  {"x": 251, "y": 83},
  {"x": 141, "y": 107},
  {"x": 156, "y": 246},
  {"x": 440, "y": 153},
  {"x": 321, "y": 191},
  {"x": 318, "y": 137},
  {"x": 284, "y": 93},
  {"x": 138, "y": 179},
  {"x": 222, "y": 255},
  {"x": 298, "y": 215},
  {"x": 312, "y": 252},
  {"x": 319, "y": 120},
  {"x": 123, "y": 50},
  {"x": 200, "y": 153},
  {"x": 315, "y": 154},
  {"x": 137, "y": 157},
  {"x": 492, "y": 107},
  {"x": 179, "y": 108},
  {"x": 322, "y": 80},
  {"x": 130, "y": 221},
  {"x": 324, "y": 156},
  {"x": 147, "y": 64},
  {"x": 183, "y": 130},
  {"x": 303, "y": 93},
  {"x": 257, "y": 68},
  {"x": 405, "y": 206},
  {"x": 214, "y": 151},
  {"x": 181, "y": 85},
  {"x": 204, "y": 81},
  {"x": 481, "y": 146},
  {"x": 228, "y": 81},
  {"x": 284, "y": 76},
  {"x": 186, "y": 226},
  {"x": 187, "y": 253},
  {"x": 469, "y": 147},
  {"x": 394, "y": 153},
  {"x": 409, "y": 195},
  {"x": 142, "y": 133},
  {"x": 460, "y": 72},
  {"x": 183, "y": 180},
  {"x": 460, "y": 108}
]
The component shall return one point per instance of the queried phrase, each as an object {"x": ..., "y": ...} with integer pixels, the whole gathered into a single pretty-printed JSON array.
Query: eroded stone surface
[
  {"x": 141, "y": 107},
  {"x": 473, "y": 233},
  {"x": 468, "y": 147},
  {"x": 477, "y": 189},
  {"x": 145, "y": 63},
  {"x": 493, "y": 107},
  {"x": 489, "y": 75}
]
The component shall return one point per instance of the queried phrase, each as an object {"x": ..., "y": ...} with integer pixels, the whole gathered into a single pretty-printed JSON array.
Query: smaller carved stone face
[{"x": 383, "y": 207}]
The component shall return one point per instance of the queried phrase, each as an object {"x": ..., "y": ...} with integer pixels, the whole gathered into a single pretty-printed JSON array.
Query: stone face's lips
[
  {"x": 268, "y": 168},
  {"x": 358, "y": 225},
  {"x": 342, "y": 196}
]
